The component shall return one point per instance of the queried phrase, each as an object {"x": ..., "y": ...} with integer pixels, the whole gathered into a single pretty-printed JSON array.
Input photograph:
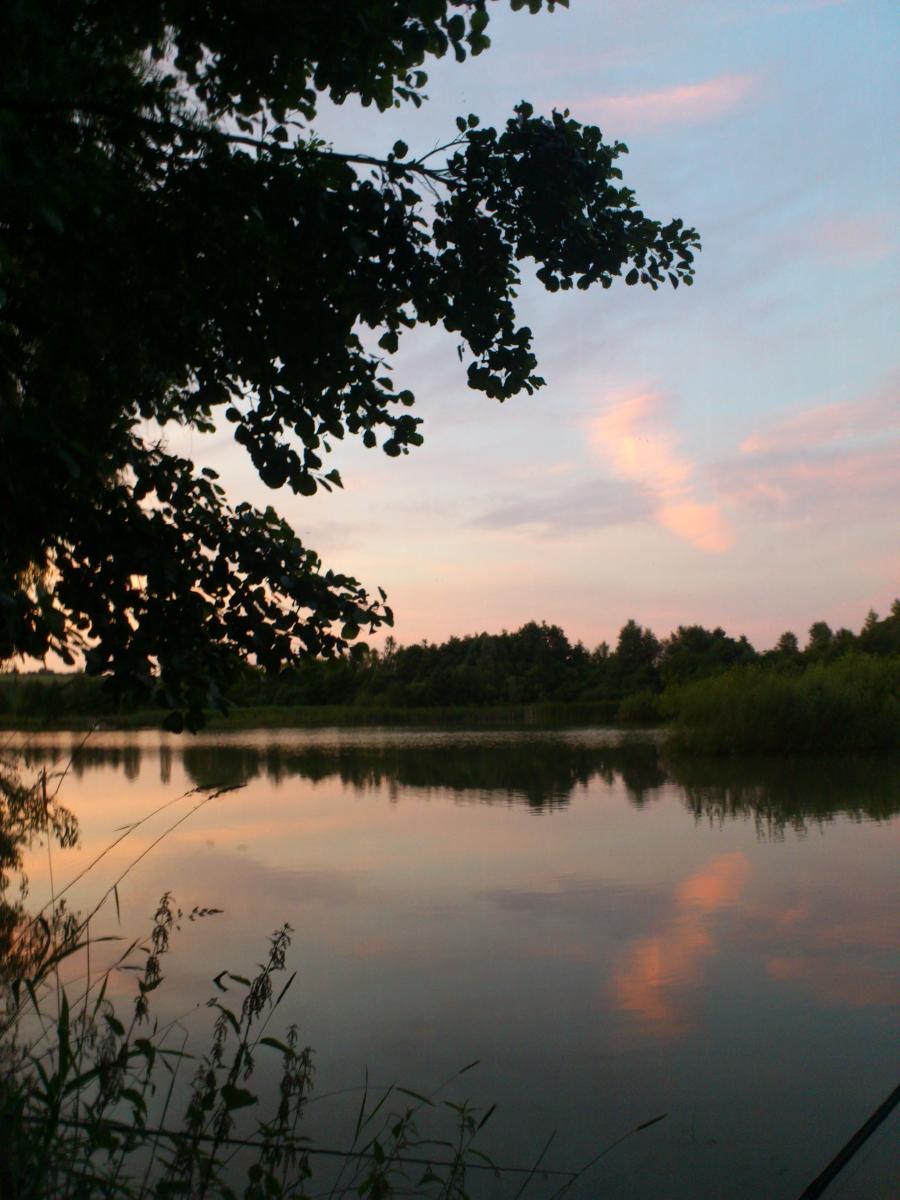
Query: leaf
[
  {"x": 487, "y": 1116},
  {"x": 236, "y": 1097},
  {"x": 362, "y": 1107},
  {"x": 275, "y": 1044},
  {"x": 229, "y": 1017},
  {"x": 632, "y": 277},
  {"x": 400, "y": 149},
  {"x": 283, "y": 991}
]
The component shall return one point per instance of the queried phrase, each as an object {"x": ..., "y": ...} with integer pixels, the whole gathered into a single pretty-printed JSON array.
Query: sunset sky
[{"x": 726, "y": 454}]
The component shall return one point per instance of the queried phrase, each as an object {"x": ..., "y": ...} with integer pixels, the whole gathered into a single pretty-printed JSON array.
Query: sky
[{"x": 727, "y": 454}]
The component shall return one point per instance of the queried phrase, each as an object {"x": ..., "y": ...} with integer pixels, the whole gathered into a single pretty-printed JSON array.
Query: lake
[{"x": 613, "y": 933}]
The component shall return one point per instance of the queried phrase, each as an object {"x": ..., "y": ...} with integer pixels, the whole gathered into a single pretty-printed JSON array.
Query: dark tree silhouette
[{"x": 177, "y": 246}]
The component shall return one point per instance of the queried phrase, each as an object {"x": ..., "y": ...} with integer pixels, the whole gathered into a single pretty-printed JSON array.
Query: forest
[{"x": 836, "y": 687}]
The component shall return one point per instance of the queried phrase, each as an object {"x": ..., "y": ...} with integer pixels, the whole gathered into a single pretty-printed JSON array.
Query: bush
[
  {"x": 643, "y": 708},
  {"x": 851, "y": 704}
]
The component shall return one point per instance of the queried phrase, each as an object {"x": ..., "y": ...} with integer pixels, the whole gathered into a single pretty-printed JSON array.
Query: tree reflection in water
[
  {"x": 543, "y": 772},
  {"x": 683, "y": 934}
]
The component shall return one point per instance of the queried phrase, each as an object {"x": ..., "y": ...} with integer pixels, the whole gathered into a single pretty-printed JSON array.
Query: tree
[
  {"x": 635, "y": 659},
  {"x": 177, "y": 246},
  {"x": 820, "y": 641},
  {"x": 692, "y": 652},
  {"x": 881, "y": 637},
  {"x": 785, "y": 655}
]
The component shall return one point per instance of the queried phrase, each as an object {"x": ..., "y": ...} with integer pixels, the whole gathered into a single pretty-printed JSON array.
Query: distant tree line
[{"x": 537, "y": 663}]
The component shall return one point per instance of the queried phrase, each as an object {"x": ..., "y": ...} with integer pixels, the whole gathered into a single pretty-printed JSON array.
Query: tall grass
[
  {"x": 850, "y": 705},
  {"x": 99, "y": 1102}
]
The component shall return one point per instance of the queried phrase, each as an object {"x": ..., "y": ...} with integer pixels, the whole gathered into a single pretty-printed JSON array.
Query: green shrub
[
  {"x": 851, "y": 704},
  {"x": 642, "y": 708}
]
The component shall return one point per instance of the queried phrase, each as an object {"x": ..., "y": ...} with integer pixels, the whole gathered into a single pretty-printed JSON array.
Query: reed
[{"x": 851, "y": 705}]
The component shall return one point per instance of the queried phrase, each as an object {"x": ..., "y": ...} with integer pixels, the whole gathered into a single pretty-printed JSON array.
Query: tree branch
[{"x": 213, "y": 135}]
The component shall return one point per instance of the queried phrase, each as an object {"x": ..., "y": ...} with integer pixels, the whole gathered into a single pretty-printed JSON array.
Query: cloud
[
  {"x": 530, "y": 471},
  {"x": 840, "y": 953},
  {"x": 632, "y": 436},
  {"x": 841, "y": 455},
  {"x": 590, "y": 505},
  {"x": 855, "y": 239},
  {"x": 651, "y": 981},
  {"x": 813, "y": 484},
  {"x": 689, "y": 103},
  {"x": 847, "y": 240},
  {"x": 844, "y": 984},
  {"x": 814, "y": 428}
]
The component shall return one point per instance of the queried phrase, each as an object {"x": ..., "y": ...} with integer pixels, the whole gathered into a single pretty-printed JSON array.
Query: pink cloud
[
  {"x": 838, "y": 455},
  {"x": 815, "y": 484},
  {"x": 854, "y": 239},
  {"x": 632, "y": 436},
  {"x": 683, "y": 104},
  {"x": 653, "y": 979},
  {"x": 700, "y": 524},
  {"x": 846, "y": 420}
]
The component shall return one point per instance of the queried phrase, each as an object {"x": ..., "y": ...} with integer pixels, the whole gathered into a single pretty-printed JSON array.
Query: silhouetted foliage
[
  {"x": 693, "y": 652},
  {"x": 643, "y": 680},
  {"x": 178, "y": 246},
  {"x": 635, "y": 660}
]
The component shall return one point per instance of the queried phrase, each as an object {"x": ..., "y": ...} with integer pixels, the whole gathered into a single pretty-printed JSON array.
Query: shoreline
[{"x": 548, "y": 714}]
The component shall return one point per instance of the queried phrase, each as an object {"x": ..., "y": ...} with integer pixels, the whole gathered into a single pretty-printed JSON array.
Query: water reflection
[
  {"x": 656, "y": 972},
  {"x": 543, "y": 772},
  {"x": 790, "y": 792},
  {"x": 634, "y": 932}
]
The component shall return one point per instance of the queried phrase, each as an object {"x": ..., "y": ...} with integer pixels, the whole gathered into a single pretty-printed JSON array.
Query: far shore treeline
[{"x": 836, "y": 690}]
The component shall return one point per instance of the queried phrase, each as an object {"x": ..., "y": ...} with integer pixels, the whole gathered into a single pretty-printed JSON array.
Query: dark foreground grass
[{"x": 851, "y": 705}]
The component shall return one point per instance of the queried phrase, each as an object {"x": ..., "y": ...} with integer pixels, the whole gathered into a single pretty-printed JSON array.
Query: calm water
[{"x": 614, "y": 935}]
